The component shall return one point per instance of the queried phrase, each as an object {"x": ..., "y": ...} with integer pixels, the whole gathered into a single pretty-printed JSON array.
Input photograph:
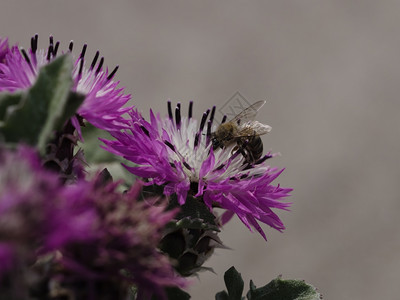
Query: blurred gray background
[{"x": 330, "y": 71}]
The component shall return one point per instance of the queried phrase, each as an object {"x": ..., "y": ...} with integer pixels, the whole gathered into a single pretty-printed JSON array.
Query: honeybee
[{"x": 243, "y": 131}]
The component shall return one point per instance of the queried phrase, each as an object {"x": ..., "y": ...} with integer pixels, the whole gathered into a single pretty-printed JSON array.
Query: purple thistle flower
[
  {"x": 178, "y": 154},
  {"x": 103, "y": 105}
]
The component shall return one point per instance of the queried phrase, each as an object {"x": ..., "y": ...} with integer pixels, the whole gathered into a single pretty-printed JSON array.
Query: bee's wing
[
  {"x": 251, "y": 128},
  {"x": 248, "y": 114}
]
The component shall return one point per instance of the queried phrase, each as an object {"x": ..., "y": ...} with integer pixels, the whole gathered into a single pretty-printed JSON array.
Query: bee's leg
[
  {"x": 234, "y": 149},
  {"x": 241, "y": 149}
]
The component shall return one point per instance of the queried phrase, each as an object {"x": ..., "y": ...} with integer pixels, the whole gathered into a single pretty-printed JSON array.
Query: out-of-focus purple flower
[
  {"x": 126, "y": 235},
  {"x": 33, "y": 213},
  {"x": 178, "y": 154},
  {"x": 98, "y": 232},
  {"x": 33, "y": 207},
  {"x": 104, "y": 103},
  {"x": 6, "y": 258}
]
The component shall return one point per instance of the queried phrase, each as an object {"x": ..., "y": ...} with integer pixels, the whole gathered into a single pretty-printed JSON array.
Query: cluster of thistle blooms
[{"x": 83, "y": 236}]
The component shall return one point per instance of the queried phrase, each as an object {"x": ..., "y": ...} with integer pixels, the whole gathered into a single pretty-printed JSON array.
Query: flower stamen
[
  {"x": 100, "y": 65},
  {"x": 178, "y": 115},
  {"x": 26, "y": 57},
  {"x": 112, "y": 73},
  {"x": 190, "y": 109},
  {"x": 94, "y": 61}
]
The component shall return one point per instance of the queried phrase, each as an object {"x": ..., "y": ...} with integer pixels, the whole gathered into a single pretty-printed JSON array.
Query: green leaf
[
  {"x": 8, "y": 102},
  {"x": 74, "y": 101},
  {"x": 175, "y": 293},
  {"x": 222, "y": 296},
  {"x": 234, "y": 284},
  {"x": 279, "y": 289},
  {"x": 94, "y": 154},
  {"x": 43, "y": 108},
  {"x": 98, "y": 158}
]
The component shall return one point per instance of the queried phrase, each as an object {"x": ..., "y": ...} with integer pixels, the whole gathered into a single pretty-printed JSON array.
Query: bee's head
[{"x": 215, "y": 141}]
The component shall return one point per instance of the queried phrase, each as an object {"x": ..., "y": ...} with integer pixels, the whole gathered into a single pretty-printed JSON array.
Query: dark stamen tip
[
  {"x": 80, "y": 66},
  {"x": 223, "y": 119},
  {"x": 26, "y": 57},
  {"x": 34, "y": 43},
  {"x": 212, "y": 114},
  {"x": 83, "y": 52},
  {"x": 203, "y": 120},
  {"x": 145, "y": 130},
  {"x": 49, "y": 52},
  {"x": 170, "y": 110},
  {"x": 187, "y": 165},
  {"x": 209, "y": 128},
  {"x": 100, "y": 65},
  {"x": 170, "y": 145},
  {"x": 190, "y": 109},
  {"x": 196, "y": 139},
  {"x": 219, "y": 167},
  {"x": 94, "y": 61},
  {"x": 113, "y": 73},
  {"x": 178, "y": 115},
  {"x": 71, "y": 46},
  {"x": 56, "y": 48}
]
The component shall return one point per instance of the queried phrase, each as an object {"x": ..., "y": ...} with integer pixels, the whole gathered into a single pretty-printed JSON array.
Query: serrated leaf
[
  {"x": 43, "y": 107},
  {"x": 194, "y": 208},
  {"x": 279, "y": 289},
  {"x": 190, "y": 223},
  {"x": 234, "y": 284}
]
